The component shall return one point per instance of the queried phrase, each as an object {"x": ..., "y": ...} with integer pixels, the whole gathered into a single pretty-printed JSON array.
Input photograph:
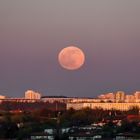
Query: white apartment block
[
  {"x": 32, "y": 95},
  {"x": 105, "y": 106}
]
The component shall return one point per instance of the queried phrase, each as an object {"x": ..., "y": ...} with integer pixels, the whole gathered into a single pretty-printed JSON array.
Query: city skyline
[
  {"x": 108, "y": 96},
  {"x": 33, "y": 33}
]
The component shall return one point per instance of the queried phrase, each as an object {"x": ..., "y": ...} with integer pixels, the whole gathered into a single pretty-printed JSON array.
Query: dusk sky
[{"x": 33, "y": 32}]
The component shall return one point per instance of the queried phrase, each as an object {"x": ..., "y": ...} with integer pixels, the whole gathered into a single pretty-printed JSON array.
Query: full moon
[{"x": 71, "y": 58}]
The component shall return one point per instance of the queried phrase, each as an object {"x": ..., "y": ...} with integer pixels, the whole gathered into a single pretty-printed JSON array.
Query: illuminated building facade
[
  {"x": 105, "y": 106},
  {"x": 2, "y": 97},
  {"x": 137, "y": 96},
  {"x": 32, "y": 95},
  {"x": 120, "y": 97},
  {"x": 130, "y": 99}
]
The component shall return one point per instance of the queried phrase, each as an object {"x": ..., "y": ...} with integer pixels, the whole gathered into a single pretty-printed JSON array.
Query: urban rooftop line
[{"x": 108, "y": 101}]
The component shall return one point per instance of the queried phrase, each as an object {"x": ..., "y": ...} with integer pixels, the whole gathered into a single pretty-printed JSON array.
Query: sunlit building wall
[
  {"x": 106, "y": 96},
  {"x": 137, "y": 96},
  {"x": 67, "y": 99},
  {"x": 55, "y": 99},
  {"x": 105, "y": 106},
  {"x": 2, "y": 97},
  {"x": 119, "y": 97},
  {"x": 32, "y": 95},
  {"x": 130, "y": 99}
]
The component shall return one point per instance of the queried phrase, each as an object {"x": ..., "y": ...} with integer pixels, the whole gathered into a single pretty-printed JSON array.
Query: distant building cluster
[
  {"x": 104, "y": 106},
  {"x": 120, "y": 97},
  {"x": 118, "y": 100}
]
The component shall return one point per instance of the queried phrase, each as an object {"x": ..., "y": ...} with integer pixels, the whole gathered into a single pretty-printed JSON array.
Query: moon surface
[{"x": 71, "y": 58}]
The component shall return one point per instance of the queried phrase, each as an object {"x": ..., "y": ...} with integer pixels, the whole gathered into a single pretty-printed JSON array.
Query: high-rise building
[
  {"x": 137, "y": 96},
  {"x": 130, "y": 99},
  {"x": 120, "y": 97},
  {"x": 30, "y": 94}
]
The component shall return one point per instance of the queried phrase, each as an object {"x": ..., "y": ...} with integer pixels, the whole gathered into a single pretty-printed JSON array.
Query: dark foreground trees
[{"x": 21, "y": 124}]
